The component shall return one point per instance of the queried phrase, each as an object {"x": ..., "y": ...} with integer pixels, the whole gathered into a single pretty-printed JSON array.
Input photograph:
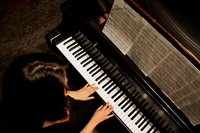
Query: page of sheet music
[
  {"x": 122, "y": 23},
  {"x": 149, "y": 49},
  {"x": 157, "y": 58}
]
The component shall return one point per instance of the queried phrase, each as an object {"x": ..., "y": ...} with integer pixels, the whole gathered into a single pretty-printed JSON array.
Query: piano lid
[{"x": 179, "y": 18}]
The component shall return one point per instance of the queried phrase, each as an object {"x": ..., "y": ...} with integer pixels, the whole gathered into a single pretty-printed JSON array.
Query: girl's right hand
[{"x": 102, "y": 113}]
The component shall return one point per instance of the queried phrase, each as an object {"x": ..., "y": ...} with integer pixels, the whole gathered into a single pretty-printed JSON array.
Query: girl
[{"x": 37, "y": 98}]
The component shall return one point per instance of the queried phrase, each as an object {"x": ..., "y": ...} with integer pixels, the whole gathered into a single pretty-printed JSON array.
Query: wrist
[{"x": 72, "y": 94}]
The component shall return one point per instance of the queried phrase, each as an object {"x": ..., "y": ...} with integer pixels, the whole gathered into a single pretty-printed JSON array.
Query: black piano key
[
  {"x": 145, "y": 125},
  {"x": 89, "y": 47},
  {"x": 135, "y": 96},
  {"x": 135, "y": 114},
  {"x": 102, "y": 80},
  {"x": 77, "y": 55},
  {"x": 96, "y": 55},
  {"x": 85, "y": 60},
  {"x": 106, "y": 83},
  {"x": 129, "y": 115},
  {"x": 100, "y": 59},
  {"x": 89, "y": 51},
  {"x": 103, "y": 74},
  {"x": 73, "y": 43},
  {"x": 81, "y": 56},
  {"x": 72, "y": 48},
  {"x": 142, "y": 122},
  {"x": 78, "y": 36},
  {"x": 84, "y": 42},
  {"x": 151, "y": 112},
  {"x": 95, "y": 67},
  {"x": 128, "y": 89},
  {"x": 111, "y": 89},
  {"x": 96, "y": 72},
  {"x": 160, "y": 124},
  {"x": 144, "y": 105},
  {"x": 77, "y": 51},
  {"x": 132, "y": 93},
  {"x": 102, "y": 63},
  {"x": 150, "y": 129},
  {"x": 106, "y": 66},
  {"x": 121, "y": 82},
  {"x": 123, "y": 101},
  {"x": 167, "y": 128},
  {"x": 164, "y": 126},
  {"x": 128, "y": 107},
  {"x": 118, "y": 97},
  {"x": 118, "y": 79},
  {"x": 155, "y": 130},
  {"x": 140, "y": 119},
  {"x": 87, "y": 63},
  {"x": 108, "y": 87},
  {"x": 112, "y": 73},
  {"x": 170, "y": 130},
  {"x": 125, "y": 104},
  {"x": 114, "y": 95},
  {"x": 91, "y": 67},
  {"x": 124, "y": 85}
]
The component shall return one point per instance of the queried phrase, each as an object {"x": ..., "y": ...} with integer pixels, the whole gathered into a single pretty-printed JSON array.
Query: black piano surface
[{"x": 79, "y": 15}]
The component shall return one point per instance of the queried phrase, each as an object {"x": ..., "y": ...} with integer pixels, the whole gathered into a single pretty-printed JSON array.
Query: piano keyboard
[{"x": 129, "y": 106}]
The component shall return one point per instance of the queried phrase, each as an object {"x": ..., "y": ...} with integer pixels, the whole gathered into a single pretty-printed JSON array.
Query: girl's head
[{"x": 33, "y": 90}]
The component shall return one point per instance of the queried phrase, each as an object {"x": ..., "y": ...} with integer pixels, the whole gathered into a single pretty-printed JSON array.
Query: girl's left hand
[{"x": 84, "y": 93}]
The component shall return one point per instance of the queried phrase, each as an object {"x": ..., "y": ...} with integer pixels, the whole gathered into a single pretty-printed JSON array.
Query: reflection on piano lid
[
  {"x": 137, "y": 106},
  {"x": 178, "y": 19}
]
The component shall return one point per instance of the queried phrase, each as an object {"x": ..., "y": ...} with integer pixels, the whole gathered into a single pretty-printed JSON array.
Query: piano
[{"x": 139, "y": 105}]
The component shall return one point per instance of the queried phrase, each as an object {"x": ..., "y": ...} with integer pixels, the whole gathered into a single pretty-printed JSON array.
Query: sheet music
[
  {"x": 156, "y": 57},
  {"x": 122, "y": 23},
  {"x": 149, "y": 49}
]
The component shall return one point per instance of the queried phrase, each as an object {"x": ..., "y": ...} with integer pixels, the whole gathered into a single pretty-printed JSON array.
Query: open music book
[{"x": 157, "y": 58}]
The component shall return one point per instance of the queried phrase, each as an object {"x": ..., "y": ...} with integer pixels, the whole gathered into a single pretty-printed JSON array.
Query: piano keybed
[{"x": 130, "y": 107}]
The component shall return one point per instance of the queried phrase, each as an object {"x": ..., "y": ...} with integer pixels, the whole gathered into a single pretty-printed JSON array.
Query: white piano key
[
  {"x": 69, "y": 42},
  {"x": 145, "y": 122},
  {"x": 148, "y": 127},
  {"x": 132, "y": 125},
  {"x": 138, "y": 130},
  {"x": 129, "y": 117},
  {"x": 131, "y": 121},
  {"x": 72, "y": 51},
  {"x": 153, "y": 130}
]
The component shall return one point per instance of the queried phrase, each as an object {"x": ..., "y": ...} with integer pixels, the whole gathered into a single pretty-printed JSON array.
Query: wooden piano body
[{"x": 80, "y": 16}]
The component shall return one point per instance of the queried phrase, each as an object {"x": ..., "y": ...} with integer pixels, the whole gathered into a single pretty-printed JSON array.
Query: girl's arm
[{"x": 101, "y": 114}]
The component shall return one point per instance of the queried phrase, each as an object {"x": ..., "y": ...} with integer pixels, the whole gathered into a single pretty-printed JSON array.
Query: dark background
[{"x": 23, "y": 28}]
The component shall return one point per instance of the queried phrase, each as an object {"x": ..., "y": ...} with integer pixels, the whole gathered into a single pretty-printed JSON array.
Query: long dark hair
[{"x": 33, "y": 91}]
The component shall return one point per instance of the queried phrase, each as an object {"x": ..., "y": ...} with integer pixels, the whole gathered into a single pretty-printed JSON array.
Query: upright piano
[{"x": 139, "y": 104}]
